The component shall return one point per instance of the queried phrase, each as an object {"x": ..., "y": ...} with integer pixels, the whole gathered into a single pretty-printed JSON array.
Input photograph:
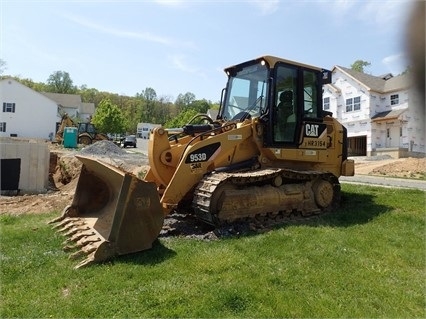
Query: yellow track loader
[{"x": 272, "y": 151}]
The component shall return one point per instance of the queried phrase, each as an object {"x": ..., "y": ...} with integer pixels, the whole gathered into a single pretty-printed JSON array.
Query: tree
[
  {"x": 201, "y": 106},
  {"x": 184, "y": 100},
  {"x": 36, "y": 86},
  {"x": 60, "y": 82},
  {"x": 131, "y": 111},
  {"x": 359, "y": 65},
  {"x": 148, "y": 94},
  {"x": 108, "y": 118},
  {"x": 149, "y": 98},
  {"x": 182, "y": 119},
  {"x": 89, "y": 95}
]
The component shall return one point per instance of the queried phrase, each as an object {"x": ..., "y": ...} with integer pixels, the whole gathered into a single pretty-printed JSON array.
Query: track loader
[{"x": 271, "y": 152}]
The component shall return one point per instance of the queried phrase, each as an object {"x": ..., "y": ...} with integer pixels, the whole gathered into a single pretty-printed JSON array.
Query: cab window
[
  {"x": 285, "y": 109},
  {"x": 310, "y": 94}
]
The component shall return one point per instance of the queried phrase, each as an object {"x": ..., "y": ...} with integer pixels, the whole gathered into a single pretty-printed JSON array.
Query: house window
[
  {"x": 326, "y": 104},
  {"x": 357, "y": 103},
  {"x": 349, "y": 105},
  {"x": 2, "y": 126},
  {"x": 394, "y": 99},
  {"x": 353, "y": 104},
  {"x": 9, "y": 107}
]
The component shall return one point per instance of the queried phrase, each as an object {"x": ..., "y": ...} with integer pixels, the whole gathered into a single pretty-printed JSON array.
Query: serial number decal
[{"x": 315, "y": 143}]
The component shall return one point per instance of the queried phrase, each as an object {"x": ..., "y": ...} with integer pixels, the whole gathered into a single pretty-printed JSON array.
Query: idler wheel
[{"x": 323, "y": 193}]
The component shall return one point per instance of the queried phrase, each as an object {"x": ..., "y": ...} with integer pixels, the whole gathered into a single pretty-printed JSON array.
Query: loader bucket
[{"x": 112, "y": 213}]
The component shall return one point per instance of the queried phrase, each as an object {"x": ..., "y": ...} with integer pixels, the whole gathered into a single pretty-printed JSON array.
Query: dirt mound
[
  {"x": 403, "y": 167},
  {"x": 103, "y": 148}
]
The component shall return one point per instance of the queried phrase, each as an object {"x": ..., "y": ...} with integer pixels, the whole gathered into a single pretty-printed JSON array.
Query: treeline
[{"x": 115, "y": 113}]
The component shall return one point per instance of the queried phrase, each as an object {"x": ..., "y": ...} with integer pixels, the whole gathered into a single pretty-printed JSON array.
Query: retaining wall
[{"x": 34, "y": 158}]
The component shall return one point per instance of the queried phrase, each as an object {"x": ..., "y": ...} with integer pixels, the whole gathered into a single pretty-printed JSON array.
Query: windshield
[{"x": 247, "y": 91}]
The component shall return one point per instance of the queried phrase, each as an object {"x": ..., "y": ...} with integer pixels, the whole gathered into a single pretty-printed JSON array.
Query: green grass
[{"x": 365, "y": 260}]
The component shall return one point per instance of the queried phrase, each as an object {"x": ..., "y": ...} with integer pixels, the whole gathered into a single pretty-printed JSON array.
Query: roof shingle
[{"x": 385, "y": 84}]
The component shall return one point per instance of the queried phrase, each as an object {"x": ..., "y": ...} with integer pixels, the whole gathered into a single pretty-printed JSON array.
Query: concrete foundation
[
  {"x": 394, "y": 152},
  {"x": 34, "y": 158}
]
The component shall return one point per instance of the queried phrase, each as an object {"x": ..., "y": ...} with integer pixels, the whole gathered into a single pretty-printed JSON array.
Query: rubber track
[{"x": 203, "y": 194}]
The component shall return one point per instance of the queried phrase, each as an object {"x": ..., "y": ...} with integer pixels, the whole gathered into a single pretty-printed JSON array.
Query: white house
[
  {"x": 30, "y": 114},
  {"x": 25, "y": 112},
  {"x": 383, "y": 114}
]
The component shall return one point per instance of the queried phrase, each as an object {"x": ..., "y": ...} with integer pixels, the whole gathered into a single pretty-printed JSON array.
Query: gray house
[{"x": 72, "y": 104}]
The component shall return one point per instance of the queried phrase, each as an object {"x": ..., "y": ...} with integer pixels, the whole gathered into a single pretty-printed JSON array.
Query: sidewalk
[{"x": 384, "y": 181}]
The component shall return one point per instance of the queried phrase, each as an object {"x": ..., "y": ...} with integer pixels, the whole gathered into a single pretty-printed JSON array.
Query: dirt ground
[
  {"x": 65, "y": 169},
  {"x": 402, "y": 167}
]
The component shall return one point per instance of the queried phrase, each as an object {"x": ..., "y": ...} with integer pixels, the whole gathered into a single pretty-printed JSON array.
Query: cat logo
[{"x": 311, "y": 130}]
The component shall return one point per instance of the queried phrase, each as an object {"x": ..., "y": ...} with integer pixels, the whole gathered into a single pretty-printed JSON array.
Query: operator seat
[
  {"x": 286, "y": 119},
  {"x": 285, "y": 107}
]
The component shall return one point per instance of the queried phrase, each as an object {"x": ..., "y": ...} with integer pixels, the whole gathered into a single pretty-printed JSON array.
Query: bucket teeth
[
  {"x": 86, "y": 262},
  {"x": 76, "y": 229},
  {"x": 85, "y": 250},
  {"x": 65, "y": 222},
  {"x": 88, "y": 240},
  {"x": 71, "y": 225},
  {"x": 112, "y": 213},
  {"x": 66, "y": 213},
  {"x": 76, "y": 237},
  {"x": 83, "y": 241},
  {"x": 77, "y": 255},
  {"x": 69, "y": 247},
  {"x": 80, "y": 238}
]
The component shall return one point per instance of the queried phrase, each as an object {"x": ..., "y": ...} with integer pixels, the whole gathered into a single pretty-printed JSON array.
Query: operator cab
[{"x": 282, "y": 93}]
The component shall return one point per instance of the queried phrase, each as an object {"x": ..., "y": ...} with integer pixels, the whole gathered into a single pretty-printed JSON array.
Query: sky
[{"x": 180, "y": 46}]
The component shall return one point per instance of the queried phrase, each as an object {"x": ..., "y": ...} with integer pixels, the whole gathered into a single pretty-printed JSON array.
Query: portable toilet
[{"x": 70, "y": 137}]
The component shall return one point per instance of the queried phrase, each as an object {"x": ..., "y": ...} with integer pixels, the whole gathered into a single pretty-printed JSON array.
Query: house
[
  {"x": 72, "y": 105},
  {"x": 67, "y": 103},
  {"x": 383, "y": 114},
  {"x": 30, "y": 114},
  {"x": 25, "y": 112},
  {"x": 86, "y": 111}
]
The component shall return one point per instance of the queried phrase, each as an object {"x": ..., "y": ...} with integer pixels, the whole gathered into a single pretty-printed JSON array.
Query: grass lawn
[{"x": 365, "y": 260}]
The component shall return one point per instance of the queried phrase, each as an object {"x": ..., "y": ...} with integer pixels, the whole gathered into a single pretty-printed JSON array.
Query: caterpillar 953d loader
[{"x": 271, "y": 151}]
